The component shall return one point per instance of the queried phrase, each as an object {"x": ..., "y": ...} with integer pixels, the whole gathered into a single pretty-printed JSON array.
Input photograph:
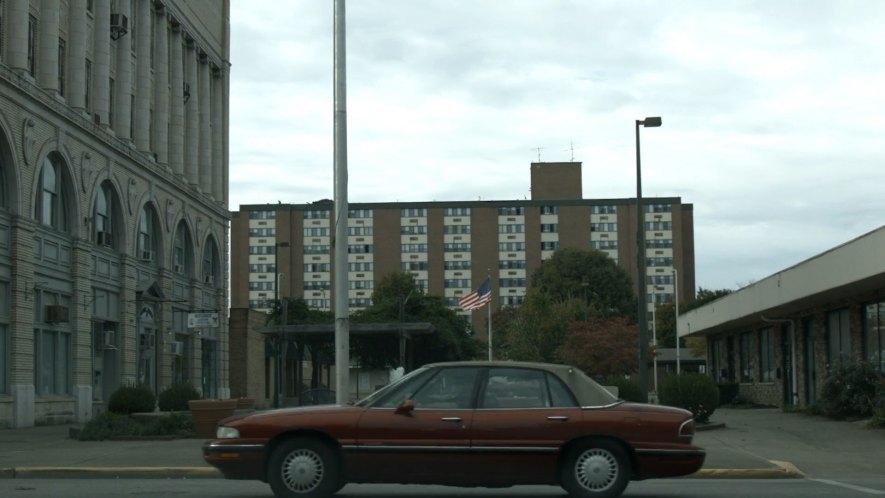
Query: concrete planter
[{"x": 206, "y": 413}]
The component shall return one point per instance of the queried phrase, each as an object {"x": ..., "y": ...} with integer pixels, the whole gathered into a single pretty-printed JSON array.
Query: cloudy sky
[{"x": 773, "y": 111}]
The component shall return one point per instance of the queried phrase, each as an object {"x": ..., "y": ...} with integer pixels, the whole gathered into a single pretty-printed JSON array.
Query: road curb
[
  {"x": 110, "y": 473},
  {"x": 781, "y": 470}
]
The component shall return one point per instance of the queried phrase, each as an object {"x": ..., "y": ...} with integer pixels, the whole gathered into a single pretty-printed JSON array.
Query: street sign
[{"x": 196, "y": 320}]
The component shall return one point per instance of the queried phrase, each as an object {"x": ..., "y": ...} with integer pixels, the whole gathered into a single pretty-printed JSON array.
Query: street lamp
[
  {"x": 652, "y": 122},
  {"x": 276, "y": 300}
]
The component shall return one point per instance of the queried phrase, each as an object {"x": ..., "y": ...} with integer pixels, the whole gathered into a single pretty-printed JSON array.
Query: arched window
[
  {"x": 181, "y": 248},
  {"x": 210, "y": 263},
  {"x": 50, "y": 209},
  {"x": 102, "y": 216},
  {"x": 146, "y": 229},
  {"x": 3, "y": 195}
]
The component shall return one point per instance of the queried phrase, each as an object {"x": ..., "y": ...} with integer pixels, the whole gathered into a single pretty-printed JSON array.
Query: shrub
[
  {"x": 132, "y": 399},
  {"x": 173, "y": 424},
  {"x": 850, "y": 390},
  {"x": 694, "y": 392},
  {"x": 627, "y": 390},
  {"x": 878, "y": 420},
  {"x": 115, "y": 425},
  {"x": 176, "y": 396},
  {"x": 108, "y": 425}
]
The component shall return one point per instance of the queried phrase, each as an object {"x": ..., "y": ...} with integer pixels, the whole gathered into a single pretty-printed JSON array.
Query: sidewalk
[{"x": 754, "y": 443}]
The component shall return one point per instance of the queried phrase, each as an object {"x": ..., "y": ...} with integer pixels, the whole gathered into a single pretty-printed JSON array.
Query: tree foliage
[
  {"x": 602, "y": 346},
  {"x": 665, "y": 314},
  {"x": 396, "y": 298},
  {"x": 573, "y": 285},
  {"x": 535, "y": 330},
  {"x": 590, "y": 276}
]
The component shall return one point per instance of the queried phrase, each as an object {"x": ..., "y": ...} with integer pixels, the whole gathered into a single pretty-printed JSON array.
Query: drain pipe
[{"x": 794, "y": 393}]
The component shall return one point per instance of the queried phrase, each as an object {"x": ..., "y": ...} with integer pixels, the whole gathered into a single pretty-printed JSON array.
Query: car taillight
[{"x": 687, "y": 428}]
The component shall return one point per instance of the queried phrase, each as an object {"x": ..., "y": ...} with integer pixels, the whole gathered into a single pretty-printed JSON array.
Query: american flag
[{"x": 478, "y": 298}]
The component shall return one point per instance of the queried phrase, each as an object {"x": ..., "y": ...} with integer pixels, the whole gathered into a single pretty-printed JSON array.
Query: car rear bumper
[
  {"x": 236, "y": 460},
  {"x": 668, "y": 462}
]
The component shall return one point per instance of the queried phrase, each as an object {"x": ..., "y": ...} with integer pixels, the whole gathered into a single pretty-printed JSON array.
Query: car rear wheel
[
  {"x": 595, "y": 469},
  {"x": 303, "y": 468}
]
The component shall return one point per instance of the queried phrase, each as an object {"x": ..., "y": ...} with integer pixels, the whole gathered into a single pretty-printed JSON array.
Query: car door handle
[
  {"x": 451, "y": 419},
  {"x": 561, "y": 418}
]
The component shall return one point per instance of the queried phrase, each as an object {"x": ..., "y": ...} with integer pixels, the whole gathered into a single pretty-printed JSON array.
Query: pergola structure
[{"x": 305, "y": 333}]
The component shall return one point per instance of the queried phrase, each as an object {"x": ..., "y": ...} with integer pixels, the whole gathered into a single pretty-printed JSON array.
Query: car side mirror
[{"x": 405, "y": 407}]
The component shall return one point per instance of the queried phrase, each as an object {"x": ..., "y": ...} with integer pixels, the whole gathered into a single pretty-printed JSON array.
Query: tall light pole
[
  {"x": 676, "y": 301},
  {"x": 641, "y": 295},
  {"x": 654, "y": 334},
  {"x": 276, "y": 301}
]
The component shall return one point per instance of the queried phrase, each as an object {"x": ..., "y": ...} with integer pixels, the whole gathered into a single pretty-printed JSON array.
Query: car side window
[
  {"x": 450, "y": 388},
  {"x": 404, "y": 390},
  {"x": 515, "y": 388},
  {"x": 560, "y": 394}
]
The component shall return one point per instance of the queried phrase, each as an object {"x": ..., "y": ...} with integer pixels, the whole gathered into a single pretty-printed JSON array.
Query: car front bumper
[{"x": 237, "y": 459}]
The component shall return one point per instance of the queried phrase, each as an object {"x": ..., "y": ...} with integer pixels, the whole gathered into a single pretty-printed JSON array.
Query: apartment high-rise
[
  {"x": 113, "y": 202},
  {"x": 285, "y": 250}
]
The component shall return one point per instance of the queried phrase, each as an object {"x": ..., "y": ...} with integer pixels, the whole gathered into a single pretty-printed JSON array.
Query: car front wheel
[
  {"x": 303, "y": 468},
  {"x": 595, "y": 469}
]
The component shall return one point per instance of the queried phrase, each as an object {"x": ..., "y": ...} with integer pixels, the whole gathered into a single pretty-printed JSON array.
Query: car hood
[{"x": 286, "y": 416}]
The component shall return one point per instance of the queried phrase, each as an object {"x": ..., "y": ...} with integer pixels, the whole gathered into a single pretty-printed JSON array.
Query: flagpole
[{"x": 489, "y": 276}]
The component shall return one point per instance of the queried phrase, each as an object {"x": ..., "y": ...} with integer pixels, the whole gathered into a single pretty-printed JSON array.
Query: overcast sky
[{"x": 773, "y": 111}]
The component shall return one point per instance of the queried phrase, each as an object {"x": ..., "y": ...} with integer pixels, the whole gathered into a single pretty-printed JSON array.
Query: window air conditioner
[
  {"x": 110, "y": 339},
  {"x": 210, "y": 279},
  {"x": 147, "y": 255},
  {"x": 176, "y": 348},
  {"x": 179, "y": 268},
  {"x": 103, "y": 238},
  {"x": 56, "y": 313},
  {"x": 119, "y": 26}
]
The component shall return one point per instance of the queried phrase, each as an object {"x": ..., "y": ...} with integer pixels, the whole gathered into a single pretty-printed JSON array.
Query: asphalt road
[{"x": 665, "y": 488}]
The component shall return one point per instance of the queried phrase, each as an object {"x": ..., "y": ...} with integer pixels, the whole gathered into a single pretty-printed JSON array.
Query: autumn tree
[{"x": 602, "y": 346}]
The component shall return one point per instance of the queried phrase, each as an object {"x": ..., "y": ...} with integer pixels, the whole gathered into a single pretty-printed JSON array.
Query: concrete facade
[{"x": 104, "y": 248}]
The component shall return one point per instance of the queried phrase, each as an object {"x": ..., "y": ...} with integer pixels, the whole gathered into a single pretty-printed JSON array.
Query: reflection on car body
[{"x": 464, "y": 424}]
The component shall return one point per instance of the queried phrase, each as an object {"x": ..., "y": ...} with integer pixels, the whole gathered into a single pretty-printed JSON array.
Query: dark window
[
  {"x": 746, "y": 355},
  {"x": 61, "y": 67},
  {"x": 874, "y": 334},
  {"x": 766, "y": 356},
  {"x": 838, "y": 337},
  {"x": 32, "y": 45}
]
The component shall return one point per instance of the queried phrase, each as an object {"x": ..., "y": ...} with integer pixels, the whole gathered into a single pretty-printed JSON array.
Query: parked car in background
[{"x": 491, "y": 424}]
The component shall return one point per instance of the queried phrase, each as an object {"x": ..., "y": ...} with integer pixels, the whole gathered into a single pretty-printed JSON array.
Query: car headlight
[{"x": 226, "y": 433}]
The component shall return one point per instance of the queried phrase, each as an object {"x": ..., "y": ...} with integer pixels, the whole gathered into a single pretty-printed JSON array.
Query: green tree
[
  {"x": 665, "y": 315},
  {"x": 397, "y": 298},
  {"x": 590, "y": 276},
  {"x": 573, "y": 285}
]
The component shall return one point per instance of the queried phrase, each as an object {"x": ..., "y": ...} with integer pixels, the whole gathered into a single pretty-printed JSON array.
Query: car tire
[
  {"x": 595, "y": 469},
  {"x": 304, "y": 468}
]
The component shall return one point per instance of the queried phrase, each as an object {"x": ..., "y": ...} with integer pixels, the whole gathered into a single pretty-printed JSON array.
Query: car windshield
[{"x": 389, "y": 388}]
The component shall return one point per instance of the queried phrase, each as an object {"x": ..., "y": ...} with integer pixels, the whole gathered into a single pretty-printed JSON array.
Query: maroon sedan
[{"x": 492, "y": 424}]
